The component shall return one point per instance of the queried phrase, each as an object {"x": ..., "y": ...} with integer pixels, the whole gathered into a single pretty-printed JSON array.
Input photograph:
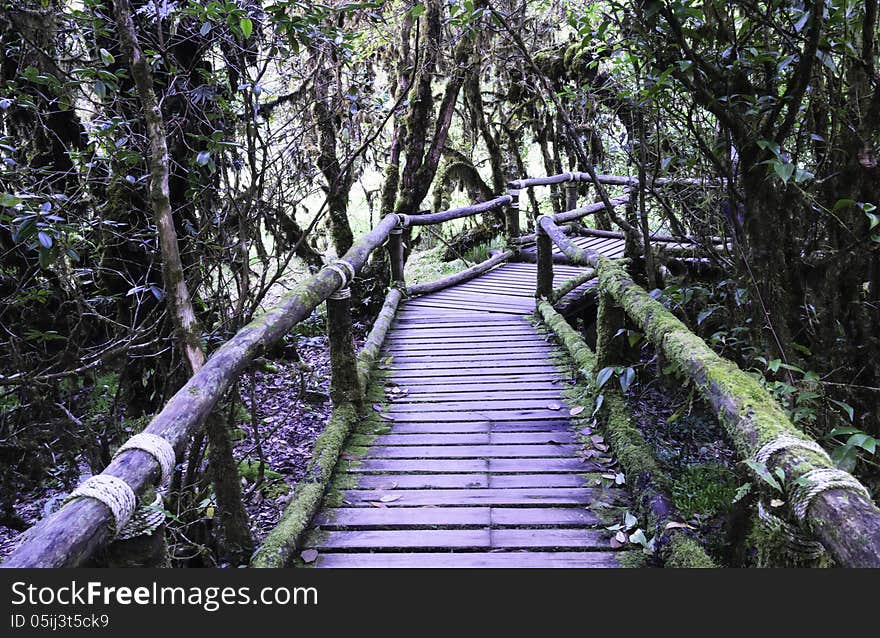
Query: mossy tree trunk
[{"x": 235, "y": 536}]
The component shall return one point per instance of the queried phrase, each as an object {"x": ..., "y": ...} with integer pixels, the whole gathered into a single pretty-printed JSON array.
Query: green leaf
[
  {"x": 705, "y": 314},
  {"x": 626, "y": 379},
  {"x": 843, "y": 203},
  {"x": 774, "y": 365},
  {"x": 761, "y": 471},
  {"x": 107, "y": 57},
  {"x": 203, "y": 158},
  {"x": 246, "y": 26},
  {"x": 846, "y": 408},
  {"x": 866, "y": 442},
  {"x": 419, "y": 9},
  {"x": 603, "y": 376},
  {"x": 8, "y": 200},
  {"x": 45, "y": 240},
  {"x": 783, "y": 170}
]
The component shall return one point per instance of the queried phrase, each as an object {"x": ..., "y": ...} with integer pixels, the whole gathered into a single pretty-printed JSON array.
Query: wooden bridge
[
  {"x": 480, "y": 466},
  {"x": 455, "y": 439}
]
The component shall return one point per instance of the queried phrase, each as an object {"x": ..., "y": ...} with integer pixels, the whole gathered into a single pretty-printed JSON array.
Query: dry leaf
[
  {"x": 554, "y": 406},
  {"x": 377, "y": 504},
  {"x": 377, "y": 407},
  {"x": 776, "y": 503},
  {"x": 309, "y": 555},
  {"x": 620, "y": 537},
  {"x": 616, "y": 544},
  {"x": 576, "y": 410},
  {"x": 676, "y": 525},
  {"x": 390, "y": 498}
]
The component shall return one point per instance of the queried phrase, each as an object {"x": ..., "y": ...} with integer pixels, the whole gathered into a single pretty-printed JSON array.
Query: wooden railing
[{"x": 827, "y": 502}]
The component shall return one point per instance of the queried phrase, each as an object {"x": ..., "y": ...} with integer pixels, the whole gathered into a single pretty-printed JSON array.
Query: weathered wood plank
[
  {"x": 473, "y": 415},
  {"x": 514, "y": 559},
  {"x": 465, "y": 427},
  {"x": 442, "y": 539},
  {"x": 446, "y": 517},
  {"x": 468, "y": 451},
  {"x": 424, "y": 481},
  {"x": 500, "y": 438},
  {"x": 481, "y": 496},
  {"x": 481, "y": 402},
  {"x": 507, "y": 481}
]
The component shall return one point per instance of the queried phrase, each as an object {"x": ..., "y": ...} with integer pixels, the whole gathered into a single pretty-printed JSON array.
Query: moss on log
[
  {"x": 644, "y": 476},
  {"x": 373, "y": 344},
  {"x": 570, "y": 284},
  {"x": 845, "y": 522}
]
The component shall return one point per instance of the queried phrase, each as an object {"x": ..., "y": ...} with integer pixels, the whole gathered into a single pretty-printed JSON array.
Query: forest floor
[{"x": 293, "y": 405}]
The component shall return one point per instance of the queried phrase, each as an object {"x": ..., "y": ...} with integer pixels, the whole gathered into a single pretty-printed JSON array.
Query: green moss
[
  {"x": 707, "y": 490},
  {"x": 632, "y": 560},
  {"x": 683, "y": 552}
]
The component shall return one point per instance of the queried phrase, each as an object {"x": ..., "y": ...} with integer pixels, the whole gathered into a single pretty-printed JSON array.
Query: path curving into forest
[{"x": 477, "y": 463}]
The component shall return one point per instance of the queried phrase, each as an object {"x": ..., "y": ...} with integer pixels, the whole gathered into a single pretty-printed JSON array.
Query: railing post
[
  {"x": 344, "y": 385},
  {"x": 571, "y": 195},
  {"x": 395, "y": 251},
  {"x": 512, "y": 216},
  {"x": 544, "y": 287},
  {"x": 610, "y": 348}
]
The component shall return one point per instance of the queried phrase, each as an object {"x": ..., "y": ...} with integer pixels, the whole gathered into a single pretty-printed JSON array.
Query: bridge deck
[{"x": 479, "y": 464}]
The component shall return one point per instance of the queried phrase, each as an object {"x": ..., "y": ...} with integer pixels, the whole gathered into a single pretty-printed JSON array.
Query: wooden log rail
[
  {"x": 829, "y": 504},
  {"x": 80, "y": 527}
]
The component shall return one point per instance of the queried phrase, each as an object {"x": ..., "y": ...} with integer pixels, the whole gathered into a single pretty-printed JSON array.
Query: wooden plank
[
  {"x": 475, "y": 383},
  {"x": 425, "y": 481},
  {"x": 444, "y": 539},
  {"x": 506, "y": 481},
  {"x": 500, "y": 560},
  {"x": 465, "y": 427},
  {"x": 440, "y": 466},
  {"x": 470, "y": 375},
  {"x": 481, "y": 496},
  {"x": 537, "y": 516},
  {"x": 532, "y": 466},
  {"x": 450, "y": 466},
  {"x": 446, "y": 517},
  {"x": 471, "y": 415},
  {"x": 480, "y": 403},
  {"x": 367, "y": 517},
  {"x": 499, "y": 438},
  {"x": 468, "y": 451},
  {"x": 424, "y": 539},
  {"x": 442, "y": 358},
  {"x": 414, "y": 396},
  {"x": 397, "y": 348}
]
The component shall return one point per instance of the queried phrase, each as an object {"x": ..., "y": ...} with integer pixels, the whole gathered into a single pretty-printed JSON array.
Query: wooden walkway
[{"x": 479, "y": 465}]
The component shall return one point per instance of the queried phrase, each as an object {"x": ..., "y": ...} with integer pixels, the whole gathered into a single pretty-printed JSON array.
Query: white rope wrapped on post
[
  {"x": 786, "y": 442},
  {"x": 822, "y": 479},
  {"x": 155, "y": 446},
  {"x": 145, "y": 520},
  {"x": 112, "y": 492}
]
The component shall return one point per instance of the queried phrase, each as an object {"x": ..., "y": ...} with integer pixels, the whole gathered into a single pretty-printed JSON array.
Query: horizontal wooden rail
[
  {"x": 457, "y": 213},
  {"x": 457, "y": 278},
  {"x": 576, "y": 254},
  {"x": 612, "y": 180},
  {"x": 583, "y": 211}
]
